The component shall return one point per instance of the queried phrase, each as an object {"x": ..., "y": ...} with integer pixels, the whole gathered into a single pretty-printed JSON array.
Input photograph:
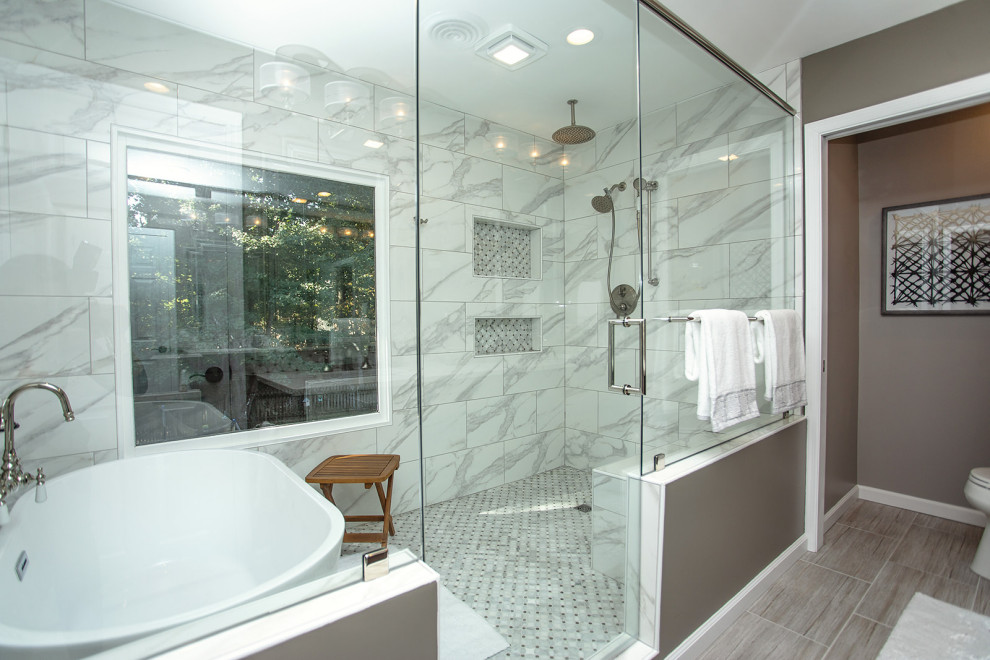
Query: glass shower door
[{"x": 528, "y": 146}]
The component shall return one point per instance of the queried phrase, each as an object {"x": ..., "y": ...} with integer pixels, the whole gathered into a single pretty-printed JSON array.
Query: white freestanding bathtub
[{"x": 134, "y": 546}]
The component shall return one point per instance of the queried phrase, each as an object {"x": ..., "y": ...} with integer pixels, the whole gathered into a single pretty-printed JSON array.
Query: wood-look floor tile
[
  {"x": 861, "y": 638},
  {"x": 982, "y": 603},
  {"x": 944, "y": 553},
  {"x": 970, "y": 532},
  {"x": 854, "y": 552},
  {"x": 896, "y": 584},
  {"x": 753, "y": 637},
  {"x": 812, "y": 601},
  {"x": 878, "y": 518}
]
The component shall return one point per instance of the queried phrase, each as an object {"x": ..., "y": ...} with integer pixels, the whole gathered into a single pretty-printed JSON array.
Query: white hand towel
[
  {"x": 719, "y": 356},
  {"x": 779, "y": 344}
]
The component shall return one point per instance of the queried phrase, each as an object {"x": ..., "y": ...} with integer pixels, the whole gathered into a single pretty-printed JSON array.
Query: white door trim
[{"x": 816, "y": 135}]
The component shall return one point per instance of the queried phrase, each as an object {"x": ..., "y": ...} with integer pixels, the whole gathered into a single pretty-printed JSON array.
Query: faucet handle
[{"x": 40, "y": 492}]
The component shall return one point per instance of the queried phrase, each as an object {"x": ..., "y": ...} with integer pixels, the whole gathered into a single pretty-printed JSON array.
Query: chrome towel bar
[{"x": 685, "y": 319}]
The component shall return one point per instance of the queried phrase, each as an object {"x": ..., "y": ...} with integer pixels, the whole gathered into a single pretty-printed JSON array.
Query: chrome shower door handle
[{"x": 627, "y": 389}]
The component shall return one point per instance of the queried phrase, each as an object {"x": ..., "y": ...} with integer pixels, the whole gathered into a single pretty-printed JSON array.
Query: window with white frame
[{"x": 254, "y": 295}]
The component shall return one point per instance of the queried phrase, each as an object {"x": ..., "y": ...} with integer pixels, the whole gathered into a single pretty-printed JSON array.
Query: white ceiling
[
  {"x": 376, "y": 40},
  {"x": 760, "y": 34}
]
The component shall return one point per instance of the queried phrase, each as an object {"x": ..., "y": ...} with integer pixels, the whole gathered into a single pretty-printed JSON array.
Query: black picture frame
[{"x": 936, "y": 258}]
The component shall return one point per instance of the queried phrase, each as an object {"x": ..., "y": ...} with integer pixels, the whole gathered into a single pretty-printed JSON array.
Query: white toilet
[{"x": 977, "y": 492}]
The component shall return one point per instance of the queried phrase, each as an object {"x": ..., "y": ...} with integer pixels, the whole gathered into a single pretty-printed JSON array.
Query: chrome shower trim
[{"x": 716, "y": 52}]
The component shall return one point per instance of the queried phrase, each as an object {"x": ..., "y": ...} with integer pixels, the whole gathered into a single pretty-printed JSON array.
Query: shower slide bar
[{"x": 685, "y": 319}]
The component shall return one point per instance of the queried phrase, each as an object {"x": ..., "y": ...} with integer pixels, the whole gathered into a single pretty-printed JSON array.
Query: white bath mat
[
  {"x": 461, "y": 633},
  {"x": 929, "y": 628}
]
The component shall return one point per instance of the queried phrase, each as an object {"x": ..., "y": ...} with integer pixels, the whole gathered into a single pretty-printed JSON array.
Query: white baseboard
[
  {"x": 932, "y": 508},
  {"x": 840, "y": 507},
  {"x": 702, "y": 638}
]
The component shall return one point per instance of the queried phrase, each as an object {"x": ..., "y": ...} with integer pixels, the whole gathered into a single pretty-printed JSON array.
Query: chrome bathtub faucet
[{"x": 12, "y": 476}]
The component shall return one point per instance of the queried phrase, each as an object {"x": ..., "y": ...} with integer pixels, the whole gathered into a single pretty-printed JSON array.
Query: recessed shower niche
[
  {"x": 505, "y": 249},
  {"x": 503, "y": 336}
]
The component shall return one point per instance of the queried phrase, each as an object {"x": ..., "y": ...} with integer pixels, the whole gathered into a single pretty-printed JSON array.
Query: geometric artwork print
[
  {"x": 502, "y": 250},
  {"x": 937, "y": 257}
]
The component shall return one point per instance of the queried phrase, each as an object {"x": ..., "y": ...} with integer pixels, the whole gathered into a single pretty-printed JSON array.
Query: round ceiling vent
[{"x": 455, "y": 31}]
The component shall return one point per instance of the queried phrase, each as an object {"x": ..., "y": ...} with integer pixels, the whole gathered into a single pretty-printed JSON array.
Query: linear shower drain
[{"x": 583, "y": 508}]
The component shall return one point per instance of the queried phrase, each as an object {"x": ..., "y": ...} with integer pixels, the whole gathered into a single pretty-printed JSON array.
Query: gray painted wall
[
  {"x": 943, "y": 47},
  {"x": 724, "y": 524},
  {"x": 843, "y": 320},
  {"x": 924, "y": 382},
  {"x": 403, "y": 627}
]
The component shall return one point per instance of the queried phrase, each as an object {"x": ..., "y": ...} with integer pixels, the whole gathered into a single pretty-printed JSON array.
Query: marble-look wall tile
[
  {"x": 395, "y": 113},
  {"x": 693, "y": 273},
  {"x": 55, "y": 26},
  {"x": 345, "y": 100},
  {"x": 729, "y": 215},
  {"x": 608, "y": 545},
  {"x": 44, "y": 336},
  {"x": 44, "y": 433},
  {"x": 580, "y": 190},
  {"x": 492, "y": 141},
  {"x": 586, "y": 368},
  {"x": 500, "y": 418},
  {"x": 4, "y": 167},
  {"x": 552, "y": 321},
  {"x": 403, "y": 381},
  {"x": 356, "y": 148},
  {"x": 665, "y": 376},
  {"x": 101, "y": 335},
  {"x": 762, "y": 269},
  {"x": 581, "y": 239},
  {"x": 445, "y": 428},
  {"x": 619, "y": 416},
  {"x": 722, "y": 110},
  {"x": 582, "y": 324},
  {"x": 401, "y": 436},
  {"x": 532, "y": 193},
  {"x": 550, "y": 409},
  {"x": 57, "y": 256},
  {"x": 449, "y": 276},
  {"x": 584, "y": 281},
  {"x": 98, "y": 179},
  {"x": 451, "y": 377},
  {"x": 549, "y": 289},
  {"x": 608, "y": 492},
  {"x": 581, "y": 410},
  {"x": 533, "y": 454},
  {"x": 402, "y": 273},
  {"x": 56, "y": 466},
  {"x": 689, "y": 169},
  {"x": 574, "y": 159},
  {"x": 461, "y": 178},
  {"x": 238, "y": 124},
  {"x": 659, "y": 131},
  {"x": 443, "y": 327},
  {"x": 775, "y": 79},
  {"x": 402, "y": 224},
  {"x": 448, "y": 225},
  {"x": 464, "y": 472},
  {"x": 586, "y": 450},
  {"x": 47, "y": 173},
  {"x": 301, "y": 456},
  {"x": 402, "y": 327},
  {"x": 67, "y": 96},
  {"x": 531, "y": 372},
  {"x": 761, "y": 152},
  {"x": 138, "y": 42},
  {"x": 104, "y": 456},
  {"x": 441, "y": 127},
  {"x": 617, "y": 144},
  {"x": 793, "y": 76}
]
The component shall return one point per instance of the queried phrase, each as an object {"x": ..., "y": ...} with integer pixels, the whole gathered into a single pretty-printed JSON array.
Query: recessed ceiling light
[
  {"x": 374, "y": 144},
  {"x": 512, "y": 48},
  {"x": 156, "y": 87},
  {"x": 727, "y": 158},
  {"x": 580, "y": 37}
]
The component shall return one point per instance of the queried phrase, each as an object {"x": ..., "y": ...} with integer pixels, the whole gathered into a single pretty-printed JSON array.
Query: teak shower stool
[{"x": 367, "y": 469}]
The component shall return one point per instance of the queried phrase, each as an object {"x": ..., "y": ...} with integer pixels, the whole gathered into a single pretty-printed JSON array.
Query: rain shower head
[{"x": 573, "y": 134}]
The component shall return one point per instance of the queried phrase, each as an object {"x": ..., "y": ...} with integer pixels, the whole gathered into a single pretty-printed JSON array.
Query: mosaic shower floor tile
[{"x": 520, "y": 556}]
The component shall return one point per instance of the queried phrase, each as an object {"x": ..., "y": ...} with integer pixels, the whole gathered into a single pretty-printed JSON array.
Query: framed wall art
[{"x": 936, "y": 257}]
